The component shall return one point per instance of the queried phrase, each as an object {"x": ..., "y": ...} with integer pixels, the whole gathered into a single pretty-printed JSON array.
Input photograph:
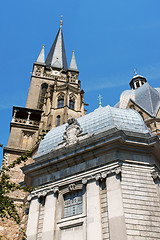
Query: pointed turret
[
  {"x": 73, "y": 64},
  {"x": 57, "y": 55},
  {"x": 41, "y": 57}
]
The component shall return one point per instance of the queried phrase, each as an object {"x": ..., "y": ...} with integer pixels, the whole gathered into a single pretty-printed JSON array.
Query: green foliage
[{"x": 8, "y": 209}]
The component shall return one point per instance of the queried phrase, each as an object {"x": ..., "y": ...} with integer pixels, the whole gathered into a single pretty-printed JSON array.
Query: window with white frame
[{"x": 72, "y": 203}]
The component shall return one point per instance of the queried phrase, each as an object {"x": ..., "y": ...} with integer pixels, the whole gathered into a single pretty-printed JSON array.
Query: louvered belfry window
[{"x": 73, "y": 203}]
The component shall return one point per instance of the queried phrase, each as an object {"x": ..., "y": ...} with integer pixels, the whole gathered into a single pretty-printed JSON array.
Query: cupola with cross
[{"x": 137, "y": 81}]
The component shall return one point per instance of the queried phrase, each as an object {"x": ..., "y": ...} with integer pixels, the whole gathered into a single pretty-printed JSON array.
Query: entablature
[{"x": 76, "y": 182}]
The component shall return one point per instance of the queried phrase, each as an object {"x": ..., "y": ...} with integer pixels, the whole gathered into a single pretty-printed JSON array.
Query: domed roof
[
  {"x": 100, "y": 120},
  {"x": 147, "y": 97}
]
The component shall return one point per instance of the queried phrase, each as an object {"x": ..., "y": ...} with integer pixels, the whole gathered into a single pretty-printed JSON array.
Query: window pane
[
  {"x": 58, "y": 120},
  {"x": 60, "y": 103},
  {"x": 71, "y": 104},
  {"x": 73, "y": 204}
]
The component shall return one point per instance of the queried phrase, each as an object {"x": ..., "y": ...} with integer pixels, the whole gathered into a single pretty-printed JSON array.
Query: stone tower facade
[{"x": 54, "y": 95}]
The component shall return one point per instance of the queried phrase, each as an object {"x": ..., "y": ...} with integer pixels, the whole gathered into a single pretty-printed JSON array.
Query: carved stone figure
[{"x": 72, "y": 132}]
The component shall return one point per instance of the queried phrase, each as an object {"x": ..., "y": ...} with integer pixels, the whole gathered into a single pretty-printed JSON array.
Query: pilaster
[
  {"x": 49, "y": 217},
  {"x": 116, "y": 217},
  {"x": 94, "y": 229},
  {"x": 33, "y": 220}
]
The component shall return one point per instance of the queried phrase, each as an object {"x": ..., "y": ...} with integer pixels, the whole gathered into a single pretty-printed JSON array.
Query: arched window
[
  {"x": 71, "y": 102},
  {"x": 60, "y": 102},
  {"x": 58, "y": 120},
  {"x": 42, "y": 94},
  {"x": 137, "y": 84}
]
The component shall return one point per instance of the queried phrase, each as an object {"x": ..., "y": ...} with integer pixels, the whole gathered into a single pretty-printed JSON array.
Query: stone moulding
[
  {"x": 99, "y": 174},
  {"x": 102, "y": 175},
  {"x": 42, "y": 193}
]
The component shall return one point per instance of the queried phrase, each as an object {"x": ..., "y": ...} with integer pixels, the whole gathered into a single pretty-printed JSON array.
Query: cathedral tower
[
  {"x": 55, "y": 88},
  {"x": 54, "y": 95}
]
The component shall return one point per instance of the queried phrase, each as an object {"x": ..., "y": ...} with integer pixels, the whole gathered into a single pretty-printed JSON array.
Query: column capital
[
  {"x": 42, "y": 192},
  {"x": 102, "y": 174}
]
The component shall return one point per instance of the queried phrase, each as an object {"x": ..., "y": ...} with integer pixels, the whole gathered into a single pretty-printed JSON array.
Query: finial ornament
[
  {"x": 135, "y": 71},
  {"x": 61, "y": 21},
  {"x": 100, "y": 98}
]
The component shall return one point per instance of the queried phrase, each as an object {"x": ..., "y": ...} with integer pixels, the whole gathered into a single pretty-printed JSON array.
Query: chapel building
[{"x": 96, "y": 176}]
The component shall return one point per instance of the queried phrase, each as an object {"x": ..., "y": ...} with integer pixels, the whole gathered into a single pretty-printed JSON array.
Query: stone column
[
  {"x": 32, "y": 224},
  {"x": 115, "y": 208},
  {"x": 49, "y": 217},
  {"x": 14, "y": 115},
  {"x": 28, "y": 118},
  {"x": 94, "y": 228}
]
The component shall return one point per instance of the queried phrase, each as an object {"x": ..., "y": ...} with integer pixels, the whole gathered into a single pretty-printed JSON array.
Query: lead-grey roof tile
[
  {"x": 57, "y": 55},
  {"x": 73, "y": 64},
  {"x": 145, "y": 96},
  {"x": 100, "y": 120},
  {"x": 41, "y": 57}
]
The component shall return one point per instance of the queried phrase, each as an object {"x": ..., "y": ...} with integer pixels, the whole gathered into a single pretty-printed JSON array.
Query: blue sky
[{"x": 110, "y": 39}]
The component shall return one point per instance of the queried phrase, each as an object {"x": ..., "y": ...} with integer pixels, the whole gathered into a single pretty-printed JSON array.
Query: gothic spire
[
  {"x": 57, "y": 55},
  {"x": 73, "y": 64},
  {"x": 41, "y": 58}
]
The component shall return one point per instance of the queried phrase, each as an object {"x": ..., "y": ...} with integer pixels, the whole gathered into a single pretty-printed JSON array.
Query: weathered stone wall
[
  {"x": 8, "y": 228},
  {"x": 141, "y": 203}
]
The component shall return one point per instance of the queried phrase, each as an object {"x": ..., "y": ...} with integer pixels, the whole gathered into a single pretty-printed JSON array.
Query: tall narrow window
[
  {"x": 42, "y": 94},
  {"x": 60, "y": 102},
  {"x": 73, "y": 204},
  {"x": 137, "y": 84},
  {"x": 58, "y": 120},
  {"x": 71, "y": 102}
]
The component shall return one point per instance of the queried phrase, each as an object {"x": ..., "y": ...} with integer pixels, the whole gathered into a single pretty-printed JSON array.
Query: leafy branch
[{"x": 8, "y": 209}]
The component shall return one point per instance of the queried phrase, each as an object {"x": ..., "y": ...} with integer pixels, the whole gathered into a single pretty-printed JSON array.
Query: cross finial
[
  {"x": 135, "y": 71},
  {"x": 100, "y": 98},
  {"x": 61, "y": 21}
]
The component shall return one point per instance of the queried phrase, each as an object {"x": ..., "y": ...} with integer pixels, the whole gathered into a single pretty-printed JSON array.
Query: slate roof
[
  {"x": 100, "y": 120},
  {"x": 57, "y": 55},
  {"x": 41, "y": 57},
  {"x": 73, "y": 64},
  {"x": 145, "y": 96}
]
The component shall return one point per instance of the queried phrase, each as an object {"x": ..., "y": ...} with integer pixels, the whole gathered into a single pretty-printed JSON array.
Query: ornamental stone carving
[
  {"x": 42, "y": 193},
  {"x": 155, "y": 175},
  {"x": 101, "y": 175},
  {"x": 72, "y": 187},
  {"x": 72, "y": 132}
]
